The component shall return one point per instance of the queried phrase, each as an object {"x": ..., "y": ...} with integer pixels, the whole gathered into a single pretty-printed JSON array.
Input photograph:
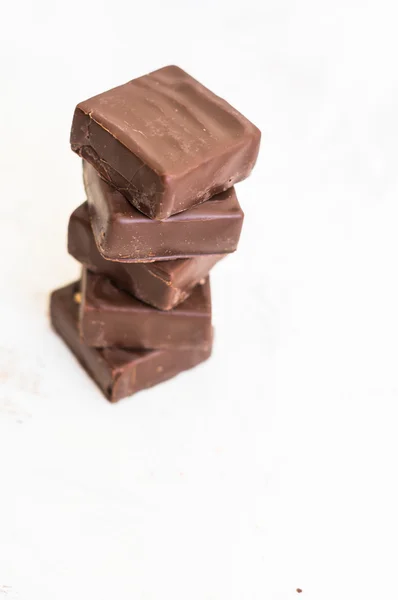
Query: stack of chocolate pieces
[{"x": 160, "y": 157}]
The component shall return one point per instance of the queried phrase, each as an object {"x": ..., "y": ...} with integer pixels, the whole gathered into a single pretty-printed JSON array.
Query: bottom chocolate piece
[
  {"x": 119, "y": 373},
  {"x": 111, "y": 317}
]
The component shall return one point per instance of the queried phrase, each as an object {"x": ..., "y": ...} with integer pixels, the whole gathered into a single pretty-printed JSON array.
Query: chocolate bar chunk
[
  {"x": 165, "y": 141},
  {"x": 124, "y": 234},
  {"x": 111, "y": 317},
  {"x": 118, "y": 372},
  {"x": 161, "y": 284}
]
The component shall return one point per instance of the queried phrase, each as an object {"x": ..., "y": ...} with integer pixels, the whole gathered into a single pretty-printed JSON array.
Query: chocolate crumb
[{"x": 298, "y": 590}]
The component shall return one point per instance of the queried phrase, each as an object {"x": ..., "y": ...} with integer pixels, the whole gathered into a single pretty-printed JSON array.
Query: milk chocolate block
[
  {"x": 165, "y": 141},
  {"x": 161, "y": 284},
  {"x": 118, "y": 372},
  {"x": 110, "y": 317},
  {"x": 124, "y": 234}
]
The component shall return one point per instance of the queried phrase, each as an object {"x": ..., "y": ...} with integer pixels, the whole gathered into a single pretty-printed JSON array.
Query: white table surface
[{"x": 273, "y": 466}]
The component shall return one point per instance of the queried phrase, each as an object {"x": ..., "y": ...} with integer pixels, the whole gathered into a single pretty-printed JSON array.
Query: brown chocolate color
[
  {"x": 161, "y": 284},
  {"x": 118, "y": 372},
  {"x": 110, "y": 317},
  {"x": 124, "y": 234},
  {"x": 165, "y": 141}
]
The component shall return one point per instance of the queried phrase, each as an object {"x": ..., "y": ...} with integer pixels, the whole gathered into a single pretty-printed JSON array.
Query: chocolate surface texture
[
  {"x": 118, "y": 372},
  {"x": 122, "y": 233},
  {"x": 162, "y": 284},
  {"x": 111, "y": 317},
  {"x": 165, "y": 141}
]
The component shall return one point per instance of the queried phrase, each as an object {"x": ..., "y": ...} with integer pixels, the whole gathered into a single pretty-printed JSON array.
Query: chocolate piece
[
  {"x": 124, "y": 234},
  {"x": 161, "y": 284},
  {"x": 165, "y": 141},
  {"x": 118, "y": 372},
  {"x": 111, "y": 317}
]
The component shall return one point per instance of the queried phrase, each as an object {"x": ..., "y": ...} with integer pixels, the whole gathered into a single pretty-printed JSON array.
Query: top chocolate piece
[{"x": 165, "y": 141}]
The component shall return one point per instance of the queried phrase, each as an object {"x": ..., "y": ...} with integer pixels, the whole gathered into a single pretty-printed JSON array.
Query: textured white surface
[{"x": 273, "y": 466}]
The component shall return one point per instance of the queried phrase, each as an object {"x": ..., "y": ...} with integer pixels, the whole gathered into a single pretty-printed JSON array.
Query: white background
[{"x": 274, "y": 465}]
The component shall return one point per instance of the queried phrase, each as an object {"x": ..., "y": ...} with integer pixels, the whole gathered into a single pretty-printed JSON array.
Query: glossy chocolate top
[
  {"x": 168, "y": 120},
  {"x": 165, "y": 141}
]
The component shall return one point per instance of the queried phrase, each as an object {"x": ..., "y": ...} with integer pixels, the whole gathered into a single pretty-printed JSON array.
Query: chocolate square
[{"x": 165, "y": 141}]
